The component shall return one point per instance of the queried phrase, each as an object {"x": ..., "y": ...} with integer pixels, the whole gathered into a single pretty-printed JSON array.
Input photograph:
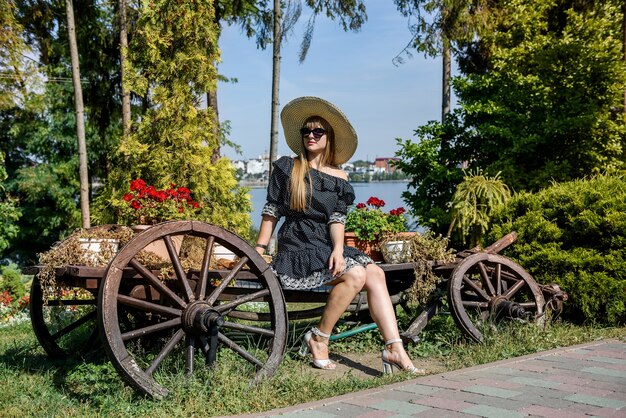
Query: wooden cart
[{"x": 148, "y": 324}]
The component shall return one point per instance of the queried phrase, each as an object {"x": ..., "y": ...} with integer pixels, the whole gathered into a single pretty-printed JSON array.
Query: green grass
[{"x": 33, "y": 385}]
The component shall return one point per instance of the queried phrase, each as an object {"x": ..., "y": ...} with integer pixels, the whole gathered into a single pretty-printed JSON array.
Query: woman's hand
[{"x": 337, "y": 263}]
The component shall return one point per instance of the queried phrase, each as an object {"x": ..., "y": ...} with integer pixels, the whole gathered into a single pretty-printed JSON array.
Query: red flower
[
  {"x": 397, "y": 212},
  {"x": 360, "y": 205},
  {"x": 138, "y": 185},
  {"x": 128, "y": 197},
  {"x": 135, "y": 204},
  {"x": 375, "y": 202}
]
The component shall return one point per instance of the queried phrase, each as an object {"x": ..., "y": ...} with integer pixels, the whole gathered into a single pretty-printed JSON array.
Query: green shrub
[
  {"x": 11, "y": 281},
  {"x": 574, "y": 234}
]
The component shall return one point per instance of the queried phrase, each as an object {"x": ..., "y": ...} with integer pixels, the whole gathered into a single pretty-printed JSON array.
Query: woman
[{"x": 313, "y": 194}]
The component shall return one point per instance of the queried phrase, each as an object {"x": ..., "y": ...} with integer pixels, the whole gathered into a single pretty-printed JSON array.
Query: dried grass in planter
[{"x": 421, "y": 250}]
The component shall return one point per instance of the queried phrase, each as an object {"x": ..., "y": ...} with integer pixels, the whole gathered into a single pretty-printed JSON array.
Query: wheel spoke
[
  {"x": 71, "y": 327},
  {"x": 189, "y": 351},
  {"x": 239, "y": 350},
  {"x": 158, "y": 284},
  {"x": 486, "y": 281},
  {"x": 178, "y": 268},
  {"x": 140, "y": 332},
  {"x": 148, "y": 306},
  {"x": 204, "y": 270},
  {"x": 227, "y": 307},
  {"x": 226, "y": 281},
  {"x": 482, "y": 305},
  {"x": 498, "y": 278},
  {"x": 165, "y": 351},
  {"x": 480, "y": 292},
  {"x": 513, "y": 289},
  {"x": 247, "y": 328}
]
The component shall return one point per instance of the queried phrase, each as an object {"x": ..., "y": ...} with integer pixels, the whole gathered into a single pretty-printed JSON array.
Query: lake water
[{"x": 389, "y": 191}]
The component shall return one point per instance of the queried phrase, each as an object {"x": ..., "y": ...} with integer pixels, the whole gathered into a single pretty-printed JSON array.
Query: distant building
[{"x": 383, "y": 165}]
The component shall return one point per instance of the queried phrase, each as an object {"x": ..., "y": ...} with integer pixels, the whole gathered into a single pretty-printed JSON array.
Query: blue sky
[{"x": 352, "y": 70}]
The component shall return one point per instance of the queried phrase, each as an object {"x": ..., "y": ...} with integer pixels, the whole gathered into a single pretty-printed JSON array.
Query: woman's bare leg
[
  {"x": 345, "y": 289},
  {"x": 383, "y": 313}
]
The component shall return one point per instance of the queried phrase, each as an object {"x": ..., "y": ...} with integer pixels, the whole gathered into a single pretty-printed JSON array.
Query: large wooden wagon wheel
[
  {"x": 63, "y": 319},
  {"x": 152, "y": 328},
  {"x": 486, "y": 287}
]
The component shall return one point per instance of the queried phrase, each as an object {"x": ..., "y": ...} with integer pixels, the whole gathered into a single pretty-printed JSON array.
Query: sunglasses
[{"x": 317, "y": 132}]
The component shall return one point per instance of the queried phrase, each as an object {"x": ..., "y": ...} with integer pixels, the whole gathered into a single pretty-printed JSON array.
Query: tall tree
[
  {"x": 351, "y": 15},
  {"x": 540, "y": 107},
  {"x": 171, "y": 65},
  {"x": 439, "y": 24},
  {"x": 80, "y": 118},
  {"x": 38, "y": 132},
  {"x": 123, "y": 21}
]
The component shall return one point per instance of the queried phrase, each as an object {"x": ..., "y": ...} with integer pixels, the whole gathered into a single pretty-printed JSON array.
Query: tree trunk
[
  {"x": 275, "y": 83},
  {"x": 123, "y": 51},
  {"x": 445, "y": 82},
  {"x": 80, "y": 119},
  {"x": 211, "y": 101},
  {"x": 624, "y": 47}
]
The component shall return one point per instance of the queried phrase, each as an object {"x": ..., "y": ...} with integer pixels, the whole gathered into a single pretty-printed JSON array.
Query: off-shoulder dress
[{"x": 304, "y": 244}]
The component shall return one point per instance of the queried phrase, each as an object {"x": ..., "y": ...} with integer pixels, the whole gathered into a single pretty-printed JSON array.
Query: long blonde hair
[{"x": 300, "y": 189}]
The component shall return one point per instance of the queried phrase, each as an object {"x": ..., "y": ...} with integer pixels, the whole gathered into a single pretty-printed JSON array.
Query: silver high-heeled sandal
[
  {"x": 389, "y": 364},
  {"x": 306, "y": 348}
]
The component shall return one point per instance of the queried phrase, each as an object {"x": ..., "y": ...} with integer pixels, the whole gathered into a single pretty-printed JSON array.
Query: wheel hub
[
  {"x": 199, "y": 317},
  {"x": 502, "y": 306}
]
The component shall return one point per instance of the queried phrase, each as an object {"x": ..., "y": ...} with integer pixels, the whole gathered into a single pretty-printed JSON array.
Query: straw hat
[{"x": 297, "y": 111}]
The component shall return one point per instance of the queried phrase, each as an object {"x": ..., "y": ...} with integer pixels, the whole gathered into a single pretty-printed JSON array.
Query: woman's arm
[
  {"x": 336, "y": 264},
  {"x": 268, "y": 223}
]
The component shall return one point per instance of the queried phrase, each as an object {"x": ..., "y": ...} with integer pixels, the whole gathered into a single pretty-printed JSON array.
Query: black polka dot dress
[{"x": 304, "y": 244}]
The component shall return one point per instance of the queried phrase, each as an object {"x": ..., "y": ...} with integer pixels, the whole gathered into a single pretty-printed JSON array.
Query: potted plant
[
  {"x": 367, "y": 223},
  {"x": 144, "y": 205}
]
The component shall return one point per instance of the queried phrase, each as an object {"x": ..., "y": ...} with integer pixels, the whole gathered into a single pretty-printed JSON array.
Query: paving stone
[
  {"x": 543, "y": 401},
  {"x": 608, "y": 413},
  {"x": 491, "y": 412},
  {"x": 438, "y": 413},
  {"x": 399, "y": 407},
  {"x": 611, "y": 360},
  {"x": 587, "y": 390},
  {"x": 445, "y": 383},
  {"x": 377, "y": 414},
  {"x": 547, "y": 412},
  {"x": 440, "y": 403},
  {"x": 503, "y": 384},
  {"x": 344, "y": 410},
  {"x": 596, "y": 400},
  {"x": 612, "y": 386},
  {"x": 567, "y": 379},
  {"x": 365, "y": 400},
  {"x": 528, "y": 381},
  {"x": 399, "y": 395},
  {"x": 306, "y": 413},
  {"x": 491, "y": 391},
  {"x": 420, "y": 389},
  {"x": 605, "y": 372},
  {"x": 502, "y": 403},
  {"x": 546, "y": 392}
]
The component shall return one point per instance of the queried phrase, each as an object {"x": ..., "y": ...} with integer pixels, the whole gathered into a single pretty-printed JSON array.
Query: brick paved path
[{"x": 579, "y": 381}]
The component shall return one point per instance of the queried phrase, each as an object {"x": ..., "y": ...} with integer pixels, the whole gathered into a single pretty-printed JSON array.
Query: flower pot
[
  {"x": 219, "y": 251},
  {"x": 158, "y": 247},
  {"x": 368, "y": 247},
  {"x": 96, "y": 250},
  {"x": 395, "y": 248}
]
